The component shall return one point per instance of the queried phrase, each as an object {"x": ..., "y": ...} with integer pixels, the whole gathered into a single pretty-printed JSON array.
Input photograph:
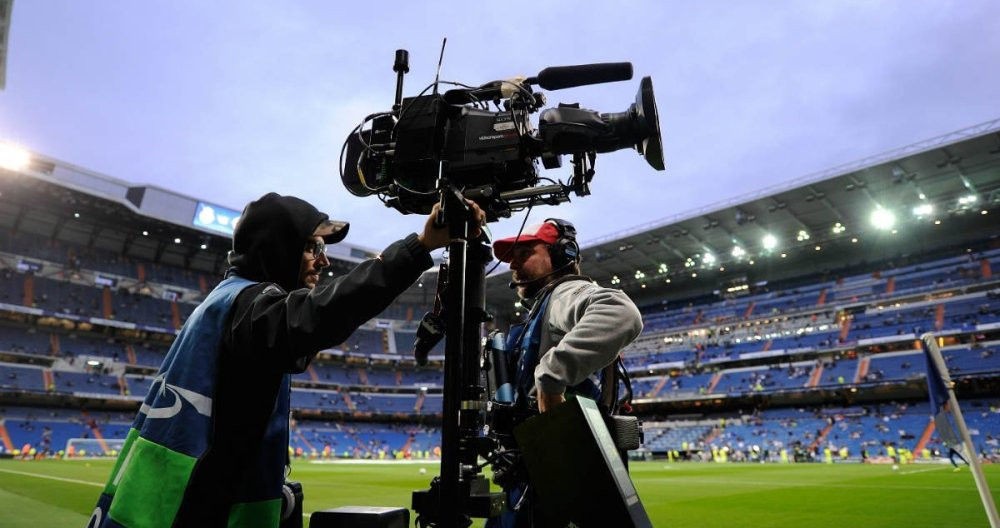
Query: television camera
[
  {"x": 481, "y": 139},
  {"x": 478, "y": 143}
]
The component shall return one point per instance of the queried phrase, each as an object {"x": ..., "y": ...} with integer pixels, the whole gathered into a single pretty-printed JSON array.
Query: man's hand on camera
[
  {"x": 548, "y": 401},
  {"x": 435, "y": 237}
]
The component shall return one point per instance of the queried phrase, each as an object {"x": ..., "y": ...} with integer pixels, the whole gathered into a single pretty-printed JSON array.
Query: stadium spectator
[
  {"x": 210, "y": 444},
  {"x": 574, "y": 332}
]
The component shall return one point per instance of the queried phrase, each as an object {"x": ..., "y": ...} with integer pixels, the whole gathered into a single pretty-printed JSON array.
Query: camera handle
[
  {"x": 460, "y": 491},
  {"x": 583, "y": 172}
]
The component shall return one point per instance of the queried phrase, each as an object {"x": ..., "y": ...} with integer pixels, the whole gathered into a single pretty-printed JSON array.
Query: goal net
[{"x": 93, "y": 448}]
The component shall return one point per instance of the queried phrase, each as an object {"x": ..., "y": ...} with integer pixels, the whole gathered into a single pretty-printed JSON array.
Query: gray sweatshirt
[{"x": 588, "y": 326}]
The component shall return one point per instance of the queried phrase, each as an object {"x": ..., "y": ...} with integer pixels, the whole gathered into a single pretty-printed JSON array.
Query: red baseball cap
[{"x": 545, "y": 232}]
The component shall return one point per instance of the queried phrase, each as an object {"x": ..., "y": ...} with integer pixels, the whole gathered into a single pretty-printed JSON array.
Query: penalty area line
[
  {"x": 913, "y": 471},
  {"x": 50, "y": 477}
]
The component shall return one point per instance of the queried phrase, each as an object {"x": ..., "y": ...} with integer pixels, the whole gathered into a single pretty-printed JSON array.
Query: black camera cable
[{"x": 511, "y": 248}]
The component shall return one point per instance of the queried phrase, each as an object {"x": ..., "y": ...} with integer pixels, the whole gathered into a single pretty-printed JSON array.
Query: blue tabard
[{"x": 174, "y": 428}]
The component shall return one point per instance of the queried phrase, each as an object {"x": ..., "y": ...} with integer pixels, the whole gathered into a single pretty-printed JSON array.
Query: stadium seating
[
  {"x": 816, "y": 336},
  {"x": 863, "y": 429}
]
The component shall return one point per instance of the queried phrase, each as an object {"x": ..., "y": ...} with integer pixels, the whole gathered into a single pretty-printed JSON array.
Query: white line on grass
[
  {"x": 912, "y": 471},
  {"x": 50, "y": 477},
  {"x": 786, "y": 484},
  {"x": 75, "y": 481}
]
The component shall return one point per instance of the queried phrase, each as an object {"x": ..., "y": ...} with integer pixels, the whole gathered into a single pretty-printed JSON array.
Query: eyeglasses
[{"x": 317, "y": 248}]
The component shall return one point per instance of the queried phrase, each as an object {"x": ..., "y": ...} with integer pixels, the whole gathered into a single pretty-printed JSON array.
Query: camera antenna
[{"x": 437, "y": 77}]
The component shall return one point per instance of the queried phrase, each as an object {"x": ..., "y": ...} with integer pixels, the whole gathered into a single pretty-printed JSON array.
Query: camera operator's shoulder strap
[
  {"x": 609, "y": 386},
  {"x": 614, "y": 374}
]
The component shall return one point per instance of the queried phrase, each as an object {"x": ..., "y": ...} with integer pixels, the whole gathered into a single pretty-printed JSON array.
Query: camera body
[
  {"x": 482, "y": 140},
  {"x": 481, "y": 149}
]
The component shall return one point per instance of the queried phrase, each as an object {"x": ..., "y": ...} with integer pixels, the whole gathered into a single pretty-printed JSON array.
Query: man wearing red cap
[
  {"x": 571, "y": 337},
  {"x": 575, "y": 328}
]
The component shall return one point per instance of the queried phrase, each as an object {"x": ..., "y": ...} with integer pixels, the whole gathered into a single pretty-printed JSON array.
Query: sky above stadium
[{"x": 224, "y": 101}]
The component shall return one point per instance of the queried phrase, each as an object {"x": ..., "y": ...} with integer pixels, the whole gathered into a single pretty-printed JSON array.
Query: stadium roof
[
  {"x": 954, "y": 177},
  {"x": 57, "y": 200}
]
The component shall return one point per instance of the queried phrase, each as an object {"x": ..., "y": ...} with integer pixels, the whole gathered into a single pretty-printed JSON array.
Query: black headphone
[{"x": 565, "y": 250}]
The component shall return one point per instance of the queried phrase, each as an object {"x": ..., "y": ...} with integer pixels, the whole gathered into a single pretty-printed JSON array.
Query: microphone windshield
[{"x": 558, "y": 77}]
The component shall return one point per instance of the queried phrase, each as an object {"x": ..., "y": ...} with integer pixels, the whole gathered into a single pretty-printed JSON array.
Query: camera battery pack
[
  {"x": 575, "y": 469},
  {"x": 361, "y": 517}
]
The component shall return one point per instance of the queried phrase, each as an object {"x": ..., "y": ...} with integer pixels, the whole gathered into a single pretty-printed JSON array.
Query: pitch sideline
[{"x": 52, "y": 477}]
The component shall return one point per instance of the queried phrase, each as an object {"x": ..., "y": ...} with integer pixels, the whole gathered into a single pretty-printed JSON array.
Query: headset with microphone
[{"x": 564, "y": 252}]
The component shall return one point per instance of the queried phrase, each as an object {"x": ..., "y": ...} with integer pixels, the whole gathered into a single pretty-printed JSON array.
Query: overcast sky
[{"x": 225, "y": 101}]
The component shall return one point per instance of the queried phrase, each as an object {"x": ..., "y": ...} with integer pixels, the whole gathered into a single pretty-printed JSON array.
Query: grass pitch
[{"x": 51, "y": 493}]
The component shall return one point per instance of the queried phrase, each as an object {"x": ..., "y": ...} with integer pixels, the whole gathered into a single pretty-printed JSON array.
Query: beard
[{"x": 529, "y": 290}]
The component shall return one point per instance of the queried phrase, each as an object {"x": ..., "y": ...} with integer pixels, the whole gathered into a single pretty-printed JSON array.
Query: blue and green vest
[{"x": 174, "y": 428}]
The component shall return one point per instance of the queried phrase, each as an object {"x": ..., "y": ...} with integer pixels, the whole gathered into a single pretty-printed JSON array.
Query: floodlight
[
  {"x": 639, "y": 274},
  {"x": 663, "y": 268},
  {"x": 177, "y": 241},
  {"x": 770, "y": 241},
  {"x": 207, "y": 215},
  {"x": 708, "y": 259},
  {"x": 839, "y": 228},
  {"x": 968, "y": 199},
  {"x": 204, "y": 246},
  {"x": 802, "y": 236},
  {"x": 738, "y": 252},
  {"x": 13, "y": 158},
  {"x": 924, "y": 209},
  {"x": 883, "y": 219}
]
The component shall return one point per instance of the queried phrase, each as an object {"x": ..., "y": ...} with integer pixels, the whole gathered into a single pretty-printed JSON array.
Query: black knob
[{"x": 402, "y": 63}]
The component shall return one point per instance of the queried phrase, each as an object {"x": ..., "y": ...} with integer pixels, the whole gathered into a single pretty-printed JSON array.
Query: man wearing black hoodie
[{"x": 209, "y": 446}]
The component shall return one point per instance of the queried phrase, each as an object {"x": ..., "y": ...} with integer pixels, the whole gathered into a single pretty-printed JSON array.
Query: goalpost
[{"x": 93, "y": 448}]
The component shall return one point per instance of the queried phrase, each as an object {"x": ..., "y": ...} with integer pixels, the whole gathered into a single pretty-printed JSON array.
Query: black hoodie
[
  {"x": 270, "y": 237},
  {"x": 275, "y": 329}
]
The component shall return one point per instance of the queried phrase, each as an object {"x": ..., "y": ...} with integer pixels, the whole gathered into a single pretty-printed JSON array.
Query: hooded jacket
[{"x": 266, "y": 327}]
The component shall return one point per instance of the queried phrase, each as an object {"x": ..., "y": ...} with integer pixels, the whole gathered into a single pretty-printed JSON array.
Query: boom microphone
[
  {"x": 514, "y": 284},
  {"x": 558, "y": 77}
]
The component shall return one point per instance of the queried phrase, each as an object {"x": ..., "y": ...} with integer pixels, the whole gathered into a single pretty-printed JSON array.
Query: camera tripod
[{"x": 460, "y": 492}]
